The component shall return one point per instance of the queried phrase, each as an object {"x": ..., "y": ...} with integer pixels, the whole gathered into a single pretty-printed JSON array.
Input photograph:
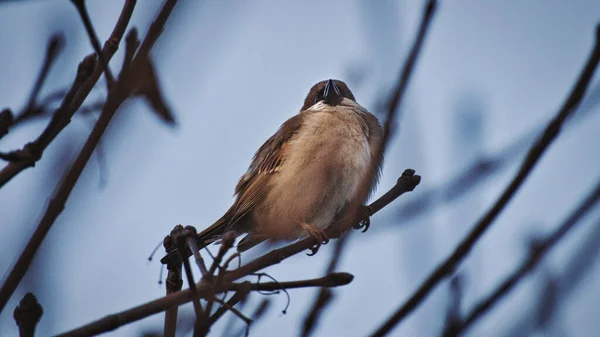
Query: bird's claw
[
  {"x": 318, "y": 234},
  {"x": 365, "y": 222}
]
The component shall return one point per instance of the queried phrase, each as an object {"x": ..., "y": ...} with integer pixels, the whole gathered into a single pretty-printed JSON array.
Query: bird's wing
[{"x": 252, "y": 187}]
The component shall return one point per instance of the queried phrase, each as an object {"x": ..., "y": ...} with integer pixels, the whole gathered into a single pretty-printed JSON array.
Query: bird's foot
[
  {"x": 365, "y": 213},
  {"x": 317, "y": 234}
]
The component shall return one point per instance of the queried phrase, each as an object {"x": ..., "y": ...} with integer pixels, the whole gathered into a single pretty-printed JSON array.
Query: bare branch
[
  {"x": 203, "y": 290},
  {"x": 536, "y": 253},
  {"x": 534, "y": 154},
  {"x": 87, "y": 22},
  {"x": 239, "y": 296}
]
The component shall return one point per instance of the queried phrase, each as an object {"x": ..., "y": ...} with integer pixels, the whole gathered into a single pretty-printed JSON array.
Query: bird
[{"x": 303, "y": 178}]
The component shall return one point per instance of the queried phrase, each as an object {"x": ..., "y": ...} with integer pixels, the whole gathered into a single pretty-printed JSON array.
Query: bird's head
[{"x": 330, "y": 92}]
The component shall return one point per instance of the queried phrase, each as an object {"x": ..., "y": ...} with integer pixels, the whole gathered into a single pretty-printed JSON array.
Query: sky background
[{"x": 490, "y": 76}]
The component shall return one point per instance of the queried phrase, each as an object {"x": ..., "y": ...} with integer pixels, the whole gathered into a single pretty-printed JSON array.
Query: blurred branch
[
  {"x": 478, "y": 172},
  {"x": 537, "y": 251},
  {"x": 7, "y": 120},
  {"x": 27, "y": 315},
  {"x": 579, "y": 265},
  {"x": 534, "y": 154},
  {"x": 259, "y": 312},
  {"x": 453, "y": 316},
  {"x": 392, "y": 110},
  {"x": 32, "y": 152},
  {"x": 87, "y": 22},
  {"x": 324, "y": 295},
  {"x": 71, "y": 103},
  {"x": 55, "y": 46}
]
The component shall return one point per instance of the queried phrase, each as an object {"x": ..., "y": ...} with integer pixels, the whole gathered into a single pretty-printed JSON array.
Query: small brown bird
[{"x": 303, "y": 177}]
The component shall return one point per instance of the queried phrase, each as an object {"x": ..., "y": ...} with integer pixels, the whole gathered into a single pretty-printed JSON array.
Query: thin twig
[
  {"x": 55, "y": 46},
  {"x": 191, "y": 241},
  {"x": 534, "y": 154},
  {"x": 392, "y": 111},
  {"x": 239, "y": 296},
  {"x": 57, "y": 203},
  {"x": 180, "y": 242},
  {"x": 538, "y": 251},
  {"x": 331, "y": 280},
  {"x": 204, "y": 290},
  {"x": 87, "y": 22},
  {"x": 234, "y": 310}
]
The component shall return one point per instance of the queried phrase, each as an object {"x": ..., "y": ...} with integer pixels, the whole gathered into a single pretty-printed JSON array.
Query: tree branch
[
  {"x": 534, "y": 154},
  {"x": 203, "y": 290},
  {"x": 537, "y": 252},
  {"x": 87, "y": 22}
]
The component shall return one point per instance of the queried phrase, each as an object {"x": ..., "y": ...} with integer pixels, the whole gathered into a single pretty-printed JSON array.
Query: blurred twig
[
  {"x": 453, "y": 316},
  {"x": 52, "y": 50},
  {"x": 55, "y": 46},
  {"x": 32, "y": 152},
  {"x": 324, "y": 295},
  {"x": 538, "y": 250},
  {"x": 85, "y": 17},
  {"x": 477, "y": 173},
  {"x": 536, "y": 151},
  {"x": 392, "y": 109},
  {"x": 577, "y": 267}
]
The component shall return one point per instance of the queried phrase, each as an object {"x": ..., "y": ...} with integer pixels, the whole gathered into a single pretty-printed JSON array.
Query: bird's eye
[{"x": 318, "y": 97}]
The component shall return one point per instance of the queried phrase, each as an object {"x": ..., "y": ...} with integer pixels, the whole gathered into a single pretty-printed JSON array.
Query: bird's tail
[{"x": 214, "y": 232}]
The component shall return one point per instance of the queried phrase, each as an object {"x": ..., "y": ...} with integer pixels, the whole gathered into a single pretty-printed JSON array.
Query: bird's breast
[{"x": 325, "y": 163}]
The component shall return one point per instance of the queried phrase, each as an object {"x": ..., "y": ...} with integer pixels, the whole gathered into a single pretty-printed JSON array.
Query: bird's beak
[{"x": 331, "y": 94}]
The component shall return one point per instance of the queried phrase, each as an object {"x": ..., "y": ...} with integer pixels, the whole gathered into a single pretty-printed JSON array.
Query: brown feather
[{"x": 253, "y": 185}]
